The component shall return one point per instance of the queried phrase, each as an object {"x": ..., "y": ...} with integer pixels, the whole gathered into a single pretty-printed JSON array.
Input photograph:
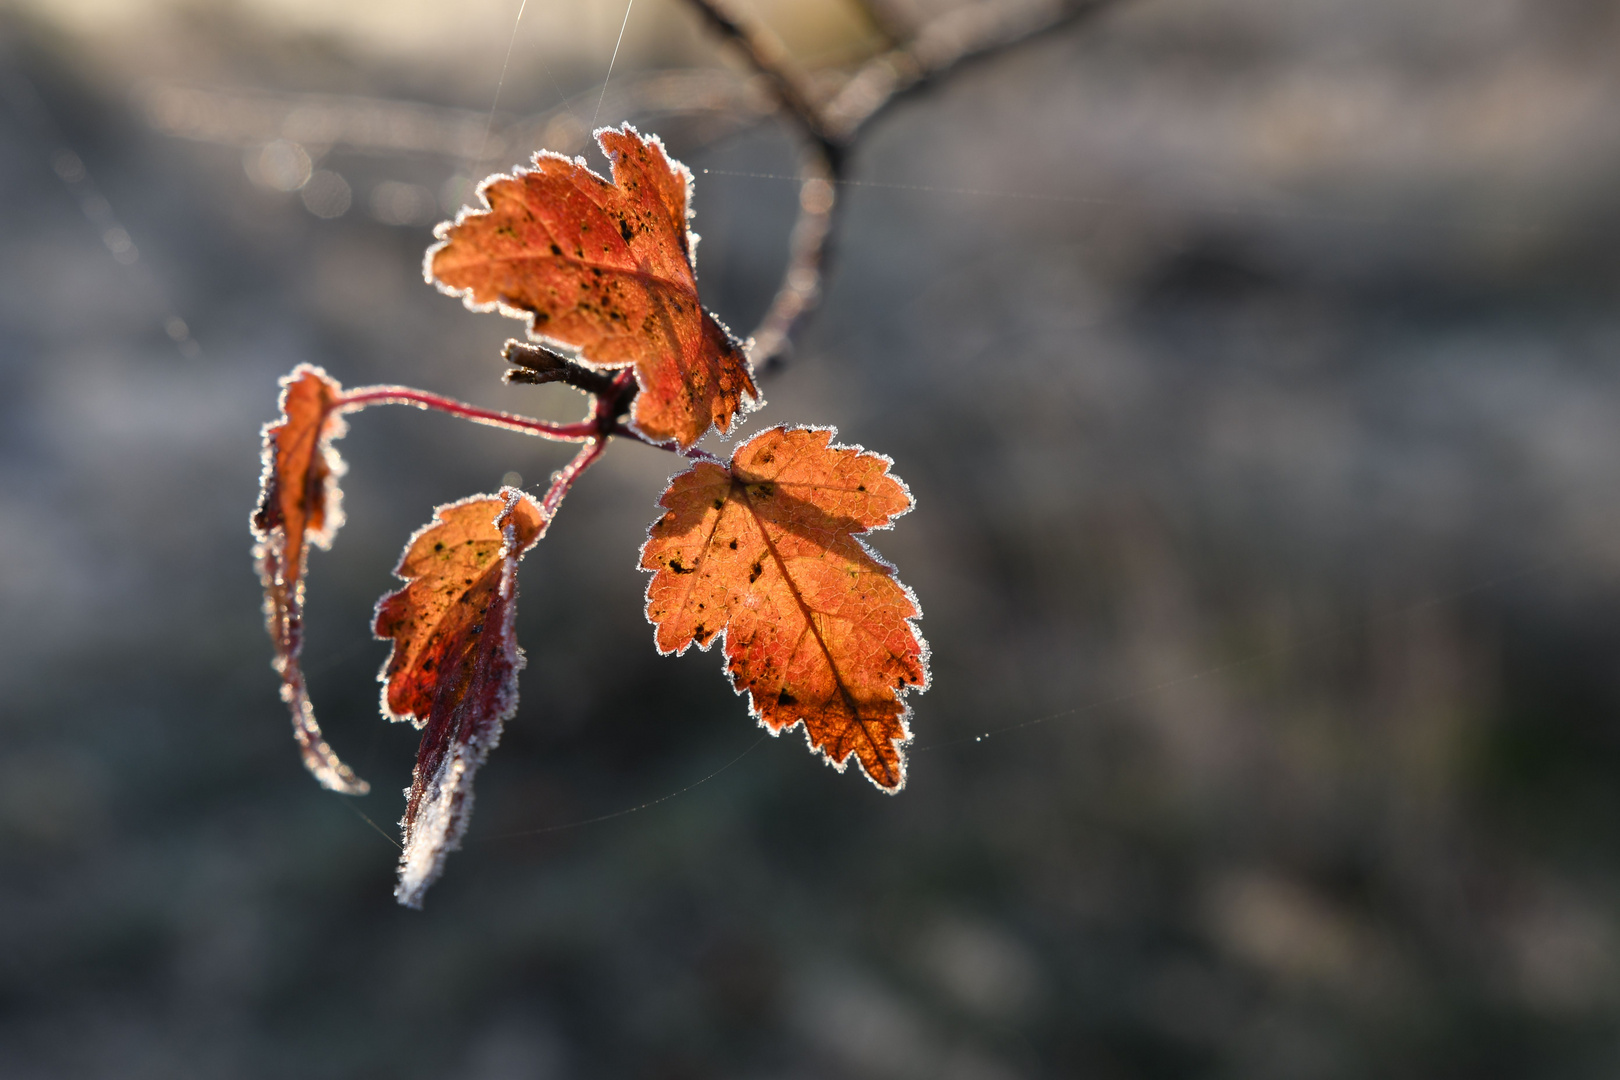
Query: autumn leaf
[
  {"x": 606, "y": 269},
  {"x": 453, "y": 669},
  {"x": 300, "y": 504},
  {"x": 817, "y": 628}
]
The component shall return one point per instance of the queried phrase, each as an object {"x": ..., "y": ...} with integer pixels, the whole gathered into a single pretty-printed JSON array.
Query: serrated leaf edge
[
  {"x": 746, "y": 403},
  {"x": 902, "y": 694}
]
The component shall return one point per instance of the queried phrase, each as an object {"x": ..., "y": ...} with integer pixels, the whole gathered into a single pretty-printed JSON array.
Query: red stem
[
  {"x": 595, "y": 432},
  {"x": 693, "y": 452},
  {"x": 361, "y": 397},
  {"x": 564, "y": 479},
  {"x": 605, "y": 409}
]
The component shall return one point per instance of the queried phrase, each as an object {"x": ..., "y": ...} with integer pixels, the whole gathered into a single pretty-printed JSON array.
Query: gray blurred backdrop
[{"x": 1254, "y": 364}]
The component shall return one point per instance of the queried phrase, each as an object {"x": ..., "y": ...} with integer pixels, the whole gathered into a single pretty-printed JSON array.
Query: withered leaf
[
  {"x": 817, "y": 628},
  {"x": 607, "y": 269},
  {"x": 300, "y": 504},
  {"x": 453, "y": 669}
]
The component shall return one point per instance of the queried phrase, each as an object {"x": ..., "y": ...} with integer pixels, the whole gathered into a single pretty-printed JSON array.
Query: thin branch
[
  {"x": 564, "y": 479},
  {"x": 770, "y": 58},
  {"x": 605, "y": 412},
  {"x": 809, "y": 255},
  {"x": 364, "y": 396},
  {"x": 942, "y": 45}
]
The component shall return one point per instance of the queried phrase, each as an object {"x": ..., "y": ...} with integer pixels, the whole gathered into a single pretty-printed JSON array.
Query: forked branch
[
  {"x": 973, "y": 31},
  {"x": 771, "y": 59},
  {"x": 833, "y": 124}
]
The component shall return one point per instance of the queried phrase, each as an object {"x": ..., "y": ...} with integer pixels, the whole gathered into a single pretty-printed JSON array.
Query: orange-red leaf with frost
[
  {"x": 817, "y": 629},
  {"x": 453, "y": 669},
  {"x": 606, "y": 269},
  {"x": 300, "y": 504}
]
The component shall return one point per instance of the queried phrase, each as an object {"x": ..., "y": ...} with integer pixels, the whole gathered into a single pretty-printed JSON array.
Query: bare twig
[
  {"x": 770, "y": 58},
  {"x": 563, "y": 480},
  {"x": 972, "y": 31},
  {"x": 818, "y": 195},
  {"x": 976, "y": 29},
  {"x": 809, "y": 255}
]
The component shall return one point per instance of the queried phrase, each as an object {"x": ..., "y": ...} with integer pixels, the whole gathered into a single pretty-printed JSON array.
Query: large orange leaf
[
  {"x": 453, "y": 669},
  {"x": 817, "y": 629},
  {"x": 300, "y": 504},
  {"x": 606, "y": 269}
]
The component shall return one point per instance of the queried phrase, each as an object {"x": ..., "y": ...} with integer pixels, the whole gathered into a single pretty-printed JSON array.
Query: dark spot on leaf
[
  {"x": 625, "y": 230},
  {"x": 555, "y": 250},
  {"x": 759, "y": 568},
  {"x": 675, "y": 565},
  {"x": 785, "y": 698},
  {"x": 734, "y": 545}
]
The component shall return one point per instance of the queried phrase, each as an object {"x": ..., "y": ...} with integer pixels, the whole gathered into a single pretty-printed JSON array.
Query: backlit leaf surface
[
  {"x": 817, "y": 629},
  {"x": 300, "y": 504},
  {"x": 453, "y": 669},
  {"x": 607, "y": 269}
]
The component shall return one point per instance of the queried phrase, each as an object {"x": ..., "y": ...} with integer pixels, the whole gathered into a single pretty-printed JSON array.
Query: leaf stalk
[{"x": 365, "y": 396}]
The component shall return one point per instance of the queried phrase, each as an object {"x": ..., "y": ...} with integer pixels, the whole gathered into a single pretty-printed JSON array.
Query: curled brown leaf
[
  {"x": 453, "y": 668},
  {"x": 300, "y": 504}
]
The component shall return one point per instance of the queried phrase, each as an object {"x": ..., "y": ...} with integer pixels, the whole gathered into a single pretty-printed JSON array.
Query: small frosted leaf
[
  {"x": 818, "y": 630},
  {"x": 605, "y": 269},
  {"x": 299, "y": 503},
  {"x": 453, "y": 669}
]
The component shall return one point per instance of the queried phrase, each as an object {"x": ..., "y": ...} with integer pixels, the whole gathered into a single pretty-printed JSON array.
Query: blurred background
[{"x": 1255, "y": 366}]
